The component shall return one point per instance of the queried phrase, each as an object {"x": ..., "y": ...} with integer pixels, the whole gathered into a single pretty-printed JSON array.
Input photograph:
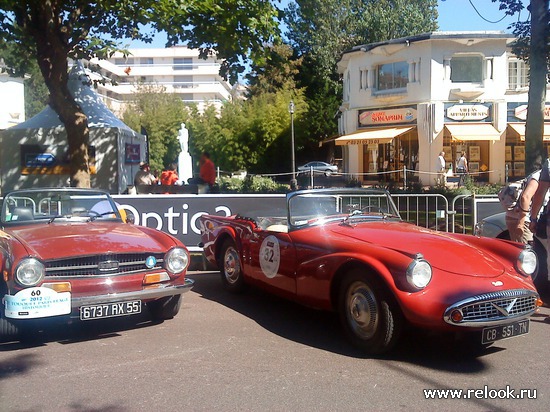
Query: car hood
[
  {"x": 84, "y": 238},
  {"x": 442, "y": 250}
]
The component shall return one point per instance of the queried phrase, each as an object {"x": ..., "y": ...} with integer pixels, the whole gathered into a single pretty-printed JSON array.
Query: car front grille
[
  {"x": 103, "y": 265},
  {"x": 493, "y": 308}
]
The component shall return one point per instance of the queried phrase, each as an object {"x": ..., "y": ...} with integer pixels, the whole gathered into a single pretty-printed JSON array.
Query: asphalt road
[{"x": 255, "y": 352}]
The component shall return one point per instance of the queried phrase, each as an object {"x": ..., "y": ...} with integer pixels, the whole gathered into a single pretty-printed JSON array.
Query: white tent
[{"x": 34, "y": 153}]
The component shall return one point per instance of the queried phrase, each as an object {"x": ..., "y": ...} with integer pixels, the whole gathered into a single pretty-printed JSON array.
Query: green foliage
[
  {"x": 161, "y": 114},
  {"x": 251, "y": 184}
]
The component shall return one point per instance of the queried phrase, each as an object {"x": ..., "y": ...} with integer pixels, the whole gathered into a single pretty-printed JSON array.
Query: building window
[
  {"x": 187, "y": 97},
  {"x": 146, "y": 61},
  {"x": 466, "y": 69},
  {"x": 183, "y": 63},
  {"x": 518, "y": 74},
  {"x": 363, "y": 79},
  {"x": 124, "y": 62},
  {"x": 392, "y": 76},
  {"x": 183, "y": 82}
]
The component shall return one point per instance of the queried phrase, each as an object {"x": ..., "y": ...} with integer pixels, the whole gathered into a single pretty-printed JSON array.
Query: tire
[
  {"x": 328, "y": 173},
  {"x": 231, "y": 268},
  {"x": 164, "y": 308},
  {"x": 370, "y": 318},
  {"x": 8, "y": 329}
]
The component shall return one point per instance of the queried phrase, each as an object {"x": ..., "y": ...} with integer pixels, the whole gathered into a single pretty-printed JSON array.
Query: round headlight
[
  {"x": 527, "y": 262},
  {"x": 419, "y": 273},
  {"x": 30, "y": 272},
  {"x": 176, "y": 260}
]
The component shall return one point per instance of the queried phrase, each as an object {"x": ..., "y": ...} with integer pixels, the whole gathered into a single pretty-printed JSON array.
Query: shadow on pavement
[{"x": 322, "y": 330}]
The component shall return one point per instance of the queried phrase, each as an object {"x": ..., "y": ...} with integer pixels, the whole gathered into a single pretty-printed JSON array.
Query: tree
[
  {"x": 54, "y": 31},
  {"x": 321, "y": 30},
  {"x": 161, "y": 114},
  {"x": 533, "y": 45}
]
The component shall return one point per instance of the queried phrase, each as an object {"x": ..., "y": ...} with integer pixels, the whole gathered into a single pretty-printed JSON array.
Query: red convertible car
[
  {"x": 68, "y": 252},
  {"x": 347, "y": 250}
]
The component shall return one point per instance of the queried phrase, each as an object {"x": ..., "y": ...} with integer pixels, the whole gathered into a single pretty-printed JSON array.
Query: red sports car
[
  {"x": 347, "y": 250},
  {"x": 69, "y": 252}
]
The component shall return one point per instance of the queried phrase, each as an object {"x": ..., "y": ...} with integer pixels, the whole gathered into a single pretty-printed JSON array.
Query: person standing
[
  {"x": 441, "y": 172},
  {"x": 207, "y": 171},
  {"x": 462, "y": 168},
  {"x": 517, "y": 219}
]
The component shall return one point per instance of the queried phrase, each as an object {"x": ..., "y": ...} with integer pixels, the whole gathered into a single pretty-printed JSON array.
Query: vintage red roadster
[
  {"x": 347, "y": 250},
  {"x": 70, "y": 253}
]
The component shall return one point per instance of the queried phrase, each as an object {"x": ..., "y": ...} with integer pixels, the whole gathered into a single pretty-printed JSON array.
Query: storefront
[
  {"x": 515, "y": 138},
  {"x": 389, "y": 141},
  {"x": 469, "y": 129}
]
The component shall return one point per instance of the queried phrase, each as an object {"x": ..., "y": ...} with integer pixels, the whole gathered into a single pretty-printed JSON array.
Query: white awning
[
  {"x": 478, "y": 131},
  {"x": 519, "y": 130},
  {"x": 373, "y": 136}
]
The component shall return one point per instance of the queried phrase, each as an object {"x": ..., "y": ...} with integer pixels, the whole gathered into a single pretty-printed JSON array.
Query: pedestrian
[
  {"x": 537, "y": 212},
  {"x": 169, "y": 176},
  {"x": 518, "y": 219},
  {"x": 144, "y": 176},
  {"x": 207, "y": 172},
  {"x": 441, "y": 172},
  {"x": 462, "y": 168}
]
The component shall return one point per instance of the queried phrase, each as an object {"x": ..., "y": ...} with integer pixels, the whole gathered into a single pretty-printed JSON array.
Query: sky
[{"x": 454, "y": 15}]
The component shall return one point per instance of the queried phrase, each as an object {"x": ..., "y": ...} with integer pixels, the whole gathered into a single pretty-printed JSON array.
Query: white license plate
[
  {"x": 110, "y": 310},
  {"x": 495, "y": 333}
]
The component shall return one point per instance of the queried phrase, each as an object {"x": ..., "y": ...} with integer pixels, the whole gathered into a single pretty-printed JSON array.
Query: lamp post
[{"x": 293, "y": 182}]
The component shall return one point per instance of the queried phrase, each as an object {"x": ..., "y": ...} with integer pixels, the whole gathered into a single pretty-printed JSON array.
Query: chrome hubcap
[{"x": 362, "y": 310}]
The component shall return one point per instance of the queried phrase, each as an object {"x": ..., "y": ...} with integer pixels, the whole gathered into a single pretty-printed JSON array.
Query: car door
[{"x": 272, "y": 260}]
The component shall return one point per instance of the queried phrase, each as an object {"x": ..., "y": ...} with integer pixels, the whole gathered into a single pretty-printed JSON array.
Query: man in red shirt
[{"x": 207, "y": 171}]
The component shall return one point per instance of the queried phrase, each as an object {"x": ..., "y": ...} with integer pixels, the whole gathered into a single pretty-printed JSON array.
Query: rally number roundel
[{"x": 270, "y": 256}]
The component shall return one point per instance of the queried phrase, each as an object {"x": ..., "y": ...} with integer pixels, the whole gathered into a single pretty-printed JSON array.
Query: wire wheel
[{"x": 231, "y": 268}]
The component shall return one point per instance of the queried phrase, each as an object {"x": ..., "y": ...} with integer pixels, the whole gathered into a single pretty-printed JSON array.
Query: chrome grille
[
  {"x": 494, "y": 308},
  {"x": 102, "y": 265}
]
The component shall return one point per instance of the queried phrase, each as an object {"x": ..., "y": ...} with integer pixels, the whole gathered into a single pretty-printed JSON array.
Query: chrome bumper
[{"x": 144, "y": 294}]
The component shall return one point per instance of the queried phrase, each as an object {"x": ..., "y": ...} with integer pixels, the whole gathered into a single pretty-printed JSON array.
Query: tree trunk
[
  {"x": 52, "y": 51},
  {"x": 534, "y": 127}
]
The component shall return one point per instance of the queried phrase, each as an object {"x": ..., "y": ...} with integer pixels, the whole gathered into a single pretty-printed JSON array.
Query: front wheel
[
  {"x": 231, "y": 268},
  {"x": 165, "y": 308},
  {"x": 370, "y": 318}
]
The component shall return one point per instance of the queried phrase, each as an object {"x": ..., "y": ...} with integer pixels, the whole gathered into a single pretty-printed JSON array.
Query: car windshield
[
  {"x": 48, "y": 205},
  {"x": 317, "y": 207}
]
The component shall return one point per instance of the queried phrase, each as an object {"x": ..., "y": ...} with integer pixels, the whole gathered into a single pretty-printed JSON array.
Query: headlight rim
[
  {"x": 29, "y": 260},
  {"x": 168, "y": 259},
  {"x": 520, "y": 262},
  {"x": 411, "y": 275}
]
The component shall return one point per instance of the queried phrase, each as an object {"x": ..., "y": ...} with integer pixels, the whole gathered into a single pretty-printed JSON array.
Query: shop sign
[
  {"x": 461, "y": 112},
  {"x": 389, "y": 116},
  {"x": 520, "y": 112}
]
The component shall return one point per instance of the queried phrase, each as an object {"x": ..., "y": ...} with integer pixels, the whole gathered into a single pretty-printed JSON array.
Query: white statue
[{"x": 185, "y": 163}]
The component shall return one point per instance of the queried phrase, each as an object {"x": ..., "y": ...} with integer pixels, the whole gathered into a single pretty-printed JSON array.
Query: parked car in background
[
  {"x": 347, "y": 250},
  {"x": 67, "y": 253},
  {"x": 318, "y": 167},
  {"x": 494, "y": 226}
]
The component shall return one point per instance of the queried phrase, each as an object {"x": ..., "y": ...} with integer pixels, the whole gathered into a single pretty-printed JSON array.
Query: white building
[
  {"x": 12, "y": 103},
  {"x": 405, "y": 100},
  {"x": 178, "y": 69}
]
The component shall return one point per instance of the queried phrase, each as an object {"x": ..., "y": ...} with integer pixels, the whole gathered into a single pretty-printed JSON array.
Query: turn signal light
[
  {"x": 456, "y": 316},
  {"x": 539, "y": 303},
  {"x": 59, "y": 286},
  {"x": 155, "y": 278}
]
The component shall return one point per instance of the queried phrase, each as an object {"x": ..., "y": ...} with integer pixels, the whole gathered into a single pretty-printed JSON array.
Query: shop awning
[
  {"x": 374, "y": 136},
  {"x": 519, "y": 130},
  {"x": 479, "y": 131}
]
